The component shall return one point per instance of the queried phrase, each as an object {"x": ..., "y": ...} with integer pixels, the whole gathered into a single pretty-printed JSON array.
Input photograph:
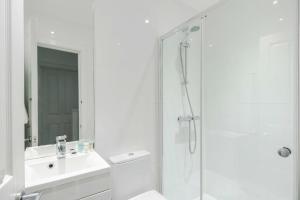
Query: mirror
[{"x": 59, "y": 90}]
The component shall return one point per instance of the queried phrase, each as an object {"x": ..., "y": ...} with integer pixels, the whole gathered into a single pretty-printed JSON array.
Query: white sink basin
[{"x": 49, "y": 172}]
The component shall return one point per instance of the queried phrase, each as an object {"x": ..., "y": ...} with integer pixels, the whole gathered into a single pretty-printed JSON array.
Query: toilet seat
[{"x": 151, "y": 195}]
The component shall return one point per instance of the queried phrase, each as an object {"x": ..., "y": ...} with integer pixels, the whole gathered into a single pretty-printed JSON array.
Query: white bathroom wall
[
  {"x": 126, "y": 64},
  {"x": 69, "y": 36}
]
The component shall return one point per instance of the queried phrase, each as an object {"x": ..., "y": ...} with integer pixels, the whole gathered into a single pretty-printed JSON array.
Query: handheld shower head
[{"x": 185, "y": 44}]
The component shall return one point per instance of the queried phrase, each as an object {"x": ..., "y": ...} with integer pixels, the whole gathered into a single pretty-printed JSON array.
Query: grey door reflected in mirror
[{"x": 59, "y": 72}]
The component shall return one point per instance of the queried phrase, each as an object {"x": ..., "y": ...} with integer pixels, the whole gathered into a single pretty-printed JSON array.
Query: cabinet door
[{"x": 99, "y": 196}]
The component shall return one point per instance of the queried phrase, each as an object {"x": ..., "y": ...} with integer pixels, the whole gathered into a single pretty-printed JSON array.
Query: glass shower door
[
  {"x": 250, "y": 73},
  {"x": 181, "y": 95}
]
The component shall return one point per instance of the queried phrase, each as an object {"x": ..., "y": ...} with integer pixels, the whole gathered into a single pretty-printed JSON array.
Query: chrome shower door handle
[{"x": 284, "y": 152}]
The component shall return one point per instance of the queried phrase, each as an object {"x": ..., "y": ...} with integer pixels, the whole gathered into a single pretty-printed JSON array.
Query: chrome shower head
[{"x": 195, "y": 29}]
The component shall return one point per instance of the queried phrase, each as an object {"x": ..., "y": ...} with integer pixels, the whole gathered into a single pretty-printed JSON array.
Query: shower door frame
[{"x": 203, "y": 15}]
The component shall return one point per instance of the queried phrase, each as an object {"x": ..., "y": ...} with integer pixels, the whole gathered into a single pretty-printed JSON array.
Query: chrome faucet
[{"x": 61, "y": 146}]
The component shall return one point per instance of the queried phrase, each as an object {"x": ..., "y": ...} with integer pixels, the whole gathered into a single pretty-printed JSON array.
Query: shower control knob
[{"x": 284, "y": 152}]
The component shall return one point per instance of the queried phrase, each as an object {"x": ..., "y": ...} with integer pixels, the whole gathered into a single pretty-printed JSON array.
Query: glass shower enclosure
[
  {"x": 229, "y": 103},
  {"x": 181, "y": 80}
]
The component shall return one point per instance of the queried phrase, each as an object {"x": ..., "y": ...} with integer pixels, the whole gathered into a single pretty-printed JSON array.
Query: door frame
[
  {"x": 13, "y": 113},
  {"x": 34, "y": 85},
  {"x": 297, "y": 142}
]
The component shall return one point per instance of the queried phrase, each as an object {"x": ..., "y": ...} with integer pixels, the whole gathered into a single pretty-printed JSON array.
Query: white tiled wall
[{"x": 126, "y": 60}]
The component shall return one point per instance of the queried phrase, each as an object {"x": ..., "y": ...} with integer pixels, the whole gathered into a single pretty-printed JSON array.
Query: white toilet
[{"x": 131, "y": 177}]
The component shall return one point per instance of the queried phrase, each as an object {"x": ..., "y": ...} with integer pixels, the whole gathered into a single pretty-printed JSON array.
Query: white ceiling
[
  {"x": 81, "y": 11},
  {"x": 75, "y": 11},
  {"x": 199, "y": 5}
]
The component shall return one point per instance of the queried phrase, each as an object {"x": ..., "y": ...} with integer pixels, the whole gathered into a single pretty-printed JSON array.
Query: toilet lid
[{"x": 151, "y": 195}]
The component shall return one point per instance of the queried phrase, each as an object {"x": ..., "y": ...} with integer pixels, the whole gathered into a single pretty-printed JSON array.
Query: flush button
[{"x": 131, "y": 154}]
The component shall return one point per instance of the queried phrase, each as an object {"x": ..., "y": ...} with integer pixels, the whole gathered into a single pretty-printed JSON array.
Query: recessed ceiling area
[
  {"x": 199, "y": 5},
  {"x": 74, "y": 11},
  {"x": 81, "y": 11}
]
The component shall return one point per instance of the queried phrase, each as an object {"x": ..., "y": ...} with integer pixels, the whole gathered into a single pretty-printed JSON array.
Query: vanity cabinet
[
  {"x": 80, "y": 176},
  {"x": 92, "y": 188}
]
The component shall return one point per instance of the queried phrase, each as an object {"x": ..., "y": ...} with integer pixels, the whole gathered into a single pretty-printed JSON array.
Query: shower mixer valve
[{"x": 188, "y": 118}]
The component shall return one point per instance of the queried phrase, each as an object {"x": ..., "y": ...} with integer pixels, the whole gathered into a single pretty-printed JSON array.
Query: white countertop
[{"x": 49, "y": 171}]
